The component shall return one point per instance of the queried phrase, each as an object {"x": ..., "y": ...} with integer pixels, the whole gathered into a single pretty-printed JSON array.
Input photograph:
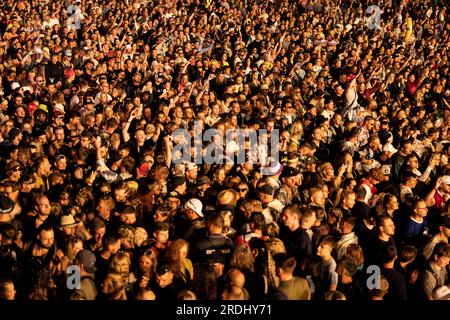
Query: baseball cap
[
  {"x": 289, "y": 172},
  {"x": 173, "y": 194},
  {"x": 31, "y": 107},
  {"x": 203, "y": 180},
  {"x": 67, "y": 53},
  {"x": 266, "y": 189},
  {"x": 6, "y": 204},
  {"x": 191, "y": 166},
  {"x": 43, "y": 107},
  {"x": 274, "y": 169},
  {"x": 87, "y": 259},
  {"x": 69, "y": 73},
  {"x": 196, "y": 205},
  {"x": 163, "y": 268},
  {"x": 386, "y": 169},
  {"x": 388, "y": 147},
  {"x": 178, "y": 181},
  {"x": 143, "y": 169},
  {"x": 15, "y": 85}
]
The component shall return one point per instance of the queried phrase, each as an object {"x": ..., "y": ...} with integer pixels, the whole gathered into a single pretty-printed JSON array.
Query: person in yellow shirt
[{"x": 43, "y": 170}]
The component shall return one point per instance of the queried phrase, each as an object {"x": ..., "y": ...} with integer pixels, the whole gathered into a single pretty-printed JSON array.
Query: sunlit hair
[{"x": 242, "y": 258}]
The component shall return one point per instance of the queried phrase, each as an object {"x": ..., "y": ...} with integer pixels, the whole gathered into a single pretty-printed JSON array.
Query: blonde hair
[
  {"x": 275, "y": 246},
  {"x": 354, "y": 250},
  {"x": 152, "y": 257},
  {"x": 173, "y": 254},
  {"x": 335, "y": 295},
  {"x": 119, "y": 258},
  {"x": 242, "y": 258},
  {"x": 127, "y": 234},
  {"x": 69, "y": 250},
  {"x": 186, "y": 295},
  {"x": 117, "y": 285}
]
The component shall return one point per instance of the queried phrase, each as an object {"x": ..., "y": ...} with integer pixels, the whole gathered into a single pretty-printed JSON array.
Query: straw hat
[{"x": 227, "y": 197}]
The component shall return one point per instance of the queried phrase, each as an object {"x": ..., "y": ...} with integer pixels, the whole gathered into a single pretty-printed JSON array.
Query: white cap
[
  {"x": 195, "y": 205},
  {"x": 191, "y": 166},
  {"x": 386, "y": 169},
  {"x": 389, "y": 148},
  {"x": 273, "y": 170},
  {"x": 445, "y": 180},
  {"x": 15, "y": 85}
]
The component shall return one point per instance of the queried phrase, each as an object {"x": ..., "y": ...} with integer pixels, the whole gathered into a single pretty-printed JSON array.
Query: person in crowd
[{"x": 185, "y": 134}]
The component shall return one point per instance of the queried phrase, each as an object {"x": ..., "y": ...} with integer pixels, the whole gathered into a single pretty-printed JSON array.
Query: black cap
[
  {"x": 163, "y": 268},
  {"x": 173, "y": 194},
  {"x": 6, "y": 204},
  {"x": 311, "y": 160},
  {"x": 328, "y": 99},
  {"x": 178, "y": 181},
  {"x": 445, "y": 221},
  {"x": 87, "y": 259},
  {"x": 267, "y": 189},
  {"x": 203, "y": 180},
  {"x": 289, "y": 172}
]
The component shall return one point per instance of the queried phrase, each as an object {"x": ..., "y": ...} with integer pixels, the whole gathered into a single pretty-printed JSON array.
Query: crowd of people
[{"x": 93, "y": 205}]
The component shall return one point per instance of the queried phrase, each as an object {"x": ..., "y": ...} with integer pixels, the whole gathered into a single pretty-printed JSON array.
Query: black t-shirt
[
  {"x": 397, "y": 285},
  {"x": 102, "y": 266},
  {"x": 360, "y": 210},
  {"x": 353, "y": 291}
]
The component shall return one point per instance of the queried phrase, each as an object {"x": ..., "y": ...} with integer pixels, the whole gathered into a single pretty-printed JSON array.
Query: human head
[
  {"x": 284, "y": 265},
  {"x": 46, "y": 236},
  {"x": 441, "y": 254},
  {"x": 7, "y": 290},
  {"x": 420, "y": 208},
  {"x": 161, "y": 232},
  {"x": 112, "y": 242},
  {"x": 308, "y": 218},
  {"x": 325, "y": 246},
  {"x": 385, "y": 225},
  {"x": 145, "y": 294},
  {"x": 291, "y": 217},
  {"x": 164, "y": 275}
]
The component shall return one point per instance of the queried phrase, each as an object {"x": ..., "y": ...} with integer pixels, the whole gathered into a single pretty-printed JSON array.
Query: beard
[{"x": 45, "y": 246}]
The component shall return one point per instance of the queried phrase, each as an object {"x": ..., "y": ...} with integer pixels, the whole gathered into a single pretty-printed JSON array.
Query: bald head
[
  {"x": 233, "y": 292},
  {"x": 145, "y": 294},
  {"x": 236, "y": 277}
]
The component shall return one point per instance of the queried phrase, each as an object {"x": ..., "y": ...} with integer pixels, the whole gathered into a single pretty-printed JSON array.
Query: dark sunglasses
[{"x": 243, "y": 190}]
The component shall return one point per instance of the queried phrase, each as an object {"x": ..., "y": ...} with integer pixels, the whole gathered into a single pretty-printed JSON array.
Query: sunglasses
[
  {"x": 243, "y": 190},
  {"x": 16, "y": 169}
]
